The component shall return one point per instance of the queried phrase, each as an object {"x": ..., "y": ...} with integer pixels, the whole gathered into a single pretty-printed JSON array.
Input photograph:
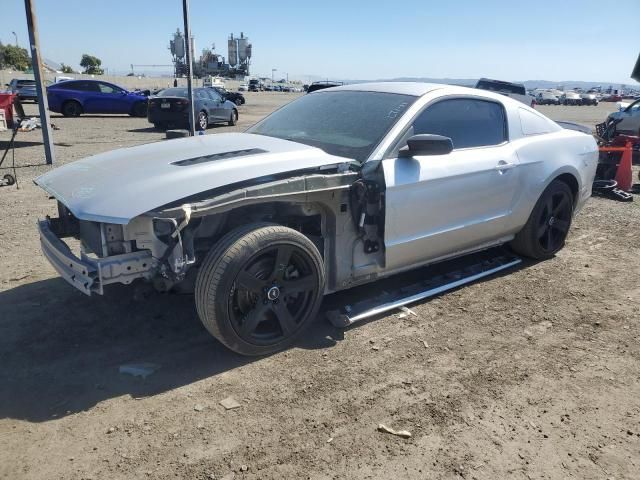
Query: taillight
[{"x": 181, "y": 104}]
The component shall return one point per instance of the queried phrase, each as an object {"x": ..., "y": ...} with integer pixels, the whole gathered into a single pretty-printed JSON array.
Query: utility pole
[
  {"x": 14, "y": 34},
  {"x": 43, "y": 104},
  {"x": 189, "y": 53},
  {"x": 273, "y": 70}
]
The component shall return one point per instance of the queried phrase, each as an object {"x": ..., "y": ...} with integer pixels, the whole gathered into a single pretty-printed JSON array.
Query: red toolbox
[{"x": 6, "y": 104}]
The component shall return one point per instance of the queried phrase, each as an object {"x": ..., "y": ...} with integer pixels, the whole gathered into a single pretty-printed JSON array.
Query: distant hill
[{"x": 529, "y": 84}]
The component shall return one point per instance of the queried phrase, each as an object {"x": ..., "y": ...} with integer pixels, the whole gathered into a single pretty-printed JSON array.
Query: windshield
[
  {"x": 174, "y": 92},
  {"x": 344, "y": 123}
]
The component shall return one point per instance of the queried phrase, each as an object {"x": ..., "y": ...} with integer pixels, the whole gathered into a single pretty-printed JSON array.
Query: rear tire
[
  {"x": 238, "y": 101},
  {"x": 547, "y": 228},
  {"x": 202, "y": 122},
  {"x": 259, "y": 287},
  {"x": 71, "y": 108}
]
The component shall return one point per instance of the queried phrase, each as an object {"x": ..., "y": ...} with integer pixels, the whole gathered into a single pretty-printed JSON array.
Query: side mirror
[{"x": 426, "y": 145}]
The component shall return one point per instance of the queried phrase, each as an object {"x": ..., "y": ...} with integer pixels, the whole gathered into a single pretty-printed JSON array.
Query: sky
[{"x": 352, "y": 39}]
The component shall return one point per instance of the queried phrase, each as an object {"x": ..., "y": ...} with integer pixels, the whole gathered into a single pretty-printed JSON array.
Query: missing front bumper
[{"x": 89, "y": 275}]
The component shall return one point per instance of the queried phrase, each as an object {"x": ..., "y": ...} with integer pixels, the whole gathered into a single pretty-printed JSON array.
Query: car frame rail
[{"x": 87, "y": 274}]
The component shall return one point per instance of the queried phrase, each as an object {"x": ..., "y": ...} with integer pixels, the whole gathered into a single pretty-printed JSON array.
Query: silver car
[{"x": 336, "y": 189}]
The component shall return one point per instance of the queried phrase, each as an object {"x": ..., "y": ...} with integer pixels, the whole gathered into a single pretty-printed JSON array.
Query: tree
[
  {"x": 66, "y": 68},
  {"x": 91, "y": 64},
  {"x": 14, "y": 57}
]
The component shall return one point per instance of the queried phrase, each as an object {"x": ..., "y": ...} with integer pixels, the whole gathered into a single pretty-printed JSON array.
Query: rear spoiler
[{"x": 578, "y": 127}]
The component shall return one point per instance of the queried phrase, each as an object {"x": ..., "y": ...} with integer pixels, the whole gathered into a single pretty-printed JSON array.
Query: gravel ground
[{"x": 528, "y": 375}]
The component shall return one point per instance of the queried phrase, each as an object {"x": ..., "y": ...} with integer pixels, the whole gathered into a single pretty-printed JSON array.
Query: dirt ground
[{"x": 533, "y": 374}]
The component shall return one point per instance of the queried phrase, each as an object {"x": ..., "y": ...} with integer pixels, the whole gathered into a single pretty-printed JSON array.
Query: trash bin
[{"x": 6, "y": 105}]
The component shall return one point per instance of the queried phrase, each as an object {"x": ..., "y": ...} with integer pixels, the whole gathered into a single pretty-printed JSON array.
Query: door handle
[{"x": 503, "y": 166}]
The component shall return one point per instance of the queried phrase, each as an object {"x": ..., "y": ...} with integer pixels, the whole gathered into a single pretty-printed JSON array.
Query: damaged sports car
[{"x": 336, "y": 189}]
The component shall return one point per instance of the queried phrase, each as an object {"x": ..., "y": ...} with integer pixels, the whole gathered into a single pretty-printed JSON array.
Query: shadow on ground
[
  {"x": 145, "y": 130},
  {"x": 60, "y": 351}
]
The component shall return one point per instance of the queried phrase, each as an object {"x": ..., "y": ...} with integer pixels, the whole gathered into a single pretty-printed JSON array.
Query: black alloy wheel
[
  {"x": 259, "y": 287},
  {"x": 548, "y": 225},
  {"x": 273, "y": 293},
  {"x": 554, "y": 221}
]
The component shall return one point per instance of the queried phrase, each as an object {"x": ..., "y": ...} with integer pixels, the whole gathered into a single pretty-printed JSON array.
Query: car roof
[{"x": 416, "y": 89}]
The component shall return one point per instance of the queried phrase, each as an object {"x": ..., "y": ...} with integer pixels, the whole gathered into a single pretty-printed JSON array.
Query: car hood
[{"x": 116, "y": 186}]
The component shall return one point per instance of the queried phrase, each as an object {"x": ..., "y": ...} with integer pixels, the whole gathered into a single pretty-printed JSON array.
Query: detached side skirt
[{"x": 467, "y": 270}]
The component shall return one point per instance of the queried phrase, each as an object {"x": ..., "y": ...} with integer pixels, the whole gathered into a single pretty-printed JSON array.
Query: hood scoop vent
[{"x": 218, "y": 156}]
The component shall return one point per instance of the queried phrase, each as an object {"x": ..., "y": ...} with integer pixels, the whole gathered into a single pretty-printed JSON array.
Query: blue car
[{"x": 75, "y": 97}]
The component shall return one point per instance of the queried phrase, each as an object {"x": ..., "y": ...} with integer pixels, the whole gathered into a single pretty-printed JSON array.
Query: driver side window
[
  {"x": 106, "y": 88},
  {"x": 467, "y": 122},
  {"x": 215, "y": 96}
]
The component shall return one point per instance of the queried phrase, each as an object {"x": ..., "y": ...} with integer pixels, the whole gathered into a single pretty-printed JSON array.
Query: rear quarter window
[
  {"x": 532, "y": 123},
  {"x": 66, "y": 86}
]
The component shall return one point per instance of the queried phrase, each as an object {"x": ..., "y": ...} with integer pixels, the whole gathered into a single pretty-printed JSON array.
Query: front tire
[
  {"x": 233, "y": 119},
  {"x": 259, "y": 287},
  {"x": 547, "y": 228}
]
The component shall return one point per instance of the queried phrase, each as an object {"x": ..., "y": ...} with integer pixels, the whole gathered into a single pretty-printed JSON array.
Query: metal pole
[
  {"x": 43, "y": 104},
  {"x": 189, "y": 53},
  {"x": 15, "y": 35}
]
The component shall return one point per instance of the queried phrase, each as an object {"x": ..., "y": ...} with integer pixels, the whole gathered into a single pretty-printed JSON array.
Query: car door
[
  {"x": 202, "y": 101},
  {"x": 218, "y": 111},
  {"x": 111, "y": 99},
  {"x": 438, "y": 205},
  {"x": 88, "y": 94}
]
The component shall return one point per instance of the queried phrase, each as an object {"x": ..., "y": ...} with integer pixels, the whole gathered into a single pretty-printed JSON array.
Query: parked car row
[
  {"x": 163, "y": 108},
  {"x": 551, "y": 97}
]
